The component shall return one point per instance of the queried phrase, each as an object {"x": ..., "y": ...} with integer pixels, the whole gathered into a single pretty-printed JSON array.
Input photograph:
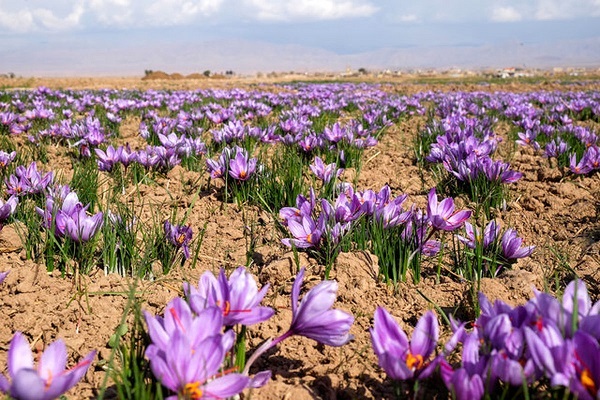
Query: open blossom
[
  {"x": 7, "y": 208},
  {"x": 242, "y": 167},
  {"x": 238, "y": 297},
  {"x": 188, "y": 350},
  {"x": 49, "y": 380},
  {"x": 179, "y": 236},
  {"x": 307, "y": 232},
  {"x": 442, "y": 215},
  {"x": 400, "y": 358},
  {"x": 313, "y": 318}
]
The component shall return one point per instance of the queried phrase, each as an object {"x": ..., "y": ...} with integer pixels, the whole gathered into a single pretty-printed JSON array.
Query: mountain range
[{"x": 90, "y": 58}]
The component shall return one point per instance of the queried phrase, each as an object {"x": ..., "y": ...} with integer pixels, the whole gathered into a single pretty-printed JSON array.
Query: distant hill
[{"x": 80, "y": 58}]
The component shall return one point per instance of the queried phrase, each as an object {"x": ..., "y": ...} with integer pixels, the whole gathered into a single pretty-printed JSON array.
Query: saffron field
[{"x": 300, "y": 240}]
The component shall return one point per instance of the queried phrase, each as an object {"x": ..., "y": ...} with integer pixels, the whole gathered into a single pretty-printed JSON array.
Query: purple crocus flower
[
  {"x": 7, "y": 208},
  {"x": 325, "y": 172},
  {"x": 442, "y": 215},
  {"x": 400, "y": 358},
  {"x": 193, "y": 371},
  {"x": 179, "y": 236},
  {"x": 474, "y": 237},
  {"x": 238, "y": 297},
  {"x": 580, "y": 168},
  {"x": 6, "y": 158},
  {"x": 49, "y": 380},
  {"x": 216, "y": 168},
  {"x": 107, "y": 159},
  {"x": 28, "y": 180},
  {"x": 3, "y": 276},
  {"x": 313, "y": 316},
  {"x": 188, "y": 350},
  {"x": 242, "y": 167},
  {"x": 511, "y": 246},
  {"x": 307, "y": 233},
  {"x": 467, "y": 381},
  {"x": 79, "y": 226}
]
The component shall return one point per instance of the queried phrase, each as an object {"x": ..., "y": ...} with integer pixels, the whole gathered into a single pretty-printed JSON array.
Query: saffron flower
[
  {"x": 188, "y": 350},
  {"x": 325, "y": 172},
  {"x": 7, "y": 208},
  {"x": 442, "y": 215},
  {"x": 79, "y": 226},
  {"x": 313, "y": 316},
  {"x": 306, "y": 233},
  {"x": 511, "y": 246},
  {"x": 179, "y": 236},
  {"x": 49, "y": 380},
  {"x": 400, "y": 358},
  {"x": 242, "y": 167},
  {"x": 238, "y": 298}
]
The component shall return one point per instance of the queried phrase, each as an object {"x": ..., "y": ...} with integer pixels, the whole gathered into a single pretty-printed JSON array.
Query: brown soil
[{"x": 555, "y": 211}]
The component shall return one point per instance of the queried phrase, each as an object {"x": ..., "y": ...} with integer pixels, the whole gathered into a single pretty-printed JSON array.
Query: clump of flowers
[
  {"x": 489, "y": 251},
  {"x": 28, "y": 180},
  {"x": 192, "y": 341},
  {"x": 236, "y": 169},
  {"x": 545, "y": 343}
]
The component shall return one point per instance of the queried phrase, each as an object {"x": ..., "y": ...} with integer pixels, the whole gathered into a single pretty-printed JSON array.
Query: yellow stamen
[
  {"x": 588, "y": 382},
  {"x": 414, "y": 361},
  {"x": 309, "y": 238},
  {"x": 192, "y": 391},
  {"x": 243, "y": 174}
]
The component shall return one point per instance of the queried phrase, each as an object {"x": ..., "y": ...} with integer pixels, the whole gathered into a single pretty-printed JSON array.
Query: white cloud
[
  {"x": 173, "y": 12},
  {"x": 566, "y": 9},
  {"x": 285, "y": 10},
  {"x": 41, "y": 16},
  {"x": 19, "y": 22},
  {"x": 505, "y": 14},
  {"x": 48, "y": 20},
  {"x": 112, "y": 12}
]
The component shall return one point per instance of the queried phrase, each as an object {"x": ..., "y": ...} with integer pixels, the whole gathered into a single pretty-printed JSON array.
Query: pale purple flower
[
  {"x": 325, "y": 172},
  {"x": 107, "y": 159},
  {"x": 313, "y": 316},
  {"x": 3, "y": 276},
  {"x": 511, "y": 246},
  {"x": 79, "y": 226},
  {"x": 242, "y": 167},
  {"x": 238, "y": 297},
  {"x": 7, "y": 208},
  {"x": 6, "y": 158},
  {"x": 400, "y": 358},
  {"x": 188, "y": 350},
  {"x": 49, "y": 380},
  {"x": 179, "y": 236},
  {"x": 442, "y": 215},
  {"x": 307, "y": 233}
]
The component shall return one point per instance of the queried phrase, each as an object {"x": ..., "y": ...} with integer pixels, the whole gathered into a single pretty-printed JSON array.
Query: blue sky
[{"x": 337, "y": 26}]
